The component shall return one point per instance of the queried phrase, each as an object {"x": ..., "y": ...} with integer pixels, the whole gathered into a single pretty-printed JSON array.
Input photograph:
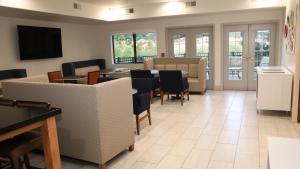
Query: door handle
[{"x": 248, "y": 58}]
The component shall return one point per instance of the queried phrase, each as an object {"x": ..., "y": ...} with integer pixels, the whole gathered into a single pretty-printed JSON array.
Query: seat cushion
[
  {"x": 159, "y": 67},
  {"x": 84, "y": 71},
  {"x": 170, "y": 67},
  {"x": 183, "y": 67},
  {"x": 193, "y": 80},
  {"x": 193, "y": 70}
]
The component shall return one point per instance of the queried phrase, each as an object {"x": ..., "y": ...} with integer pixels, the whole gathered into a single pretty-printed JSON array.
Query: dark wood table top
[
  {"x": 12, "y": 118},
  {"x": 113, "y": 70},
  {"x": 72, "y": 78},
  {"x": 156, "y": 72}
]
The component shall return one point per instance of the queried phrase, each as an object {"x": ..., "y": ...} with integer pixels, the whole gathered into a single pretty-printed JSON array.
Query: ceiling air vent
[
  {"x": 130, "y": 10},
  {"x": 76, "y": 5},
  {"x": 191, "y": 3}
]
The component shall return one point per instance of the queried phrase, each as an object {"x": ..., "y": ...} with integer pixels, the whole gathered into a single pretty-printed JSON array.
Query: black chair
[
  {"x": 12, "y": 73},
  {"x": 141, "y": 100},
  {"x": 172, "y": 82},
  {"x": 69, "y": 68},
  {"x": 17, "y": 148},
  {"x": 105, "y": 79},
  {"x": 147, "y": 74}
]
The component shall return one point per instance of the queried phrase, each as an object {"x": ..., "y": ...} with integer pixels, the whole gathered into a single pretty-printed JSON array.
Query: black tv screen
[{"x": 39, "y": 42}]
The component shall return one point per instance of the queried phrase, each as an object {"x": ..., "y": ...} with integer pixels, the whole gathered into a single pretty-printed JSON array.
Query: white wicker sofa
[{"x": 91, "y": 126}]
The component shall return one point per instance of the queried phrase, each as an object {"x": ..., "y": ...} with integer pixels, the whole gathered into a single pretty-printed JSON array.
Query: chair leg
[
  {"x": 161, "y": 97},
  {"x": 182, "y": 97},
  {"x": 188, "y": 95},
  {"x": 102, "y": 166},
  {"x": 168, "y": 96},
  {"x": 15, "y": 162},
  {"x": 131, "y": 148},
  {"x": 137, "y": 124},
  {"x": 149, "y": 116},
  {"x": 26, "y": 161}
]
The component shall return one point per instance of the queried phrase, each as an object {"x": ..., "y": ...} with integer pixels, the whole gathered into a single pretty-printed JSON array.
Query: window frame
[{"x": 135, "y": 57}]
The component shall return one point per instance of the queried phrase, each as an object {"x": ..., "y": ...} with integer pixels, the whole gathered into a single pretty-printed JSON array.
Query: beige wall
[
  {"x": 292, "y": 61},
  {"x": 80, "y": 42},
  {"x": 216, "y": 20},
  {"x": 289, "y": 60}
]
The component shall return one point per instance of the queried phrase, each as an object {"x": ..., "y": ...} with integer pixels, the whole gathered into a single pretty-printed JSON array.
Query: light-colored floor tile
[
  {"x": 249, "y": 132},
  {"x": 170, "y": 162},
  {"x": 246, "y": 161},
  {"x": 206, "y": 142},
  {"x": 192, "y": 133},
  {"x": 248, "y": 146},
  {"x": 182, "y": 148},
  {"x": 229, "y": 137},
  {"x": 218, "y": 130},
  {"x": 143, "y": 165},
  {"x": 169, "y": 138},
  {"x": 220, "y": 165},
  {"x": 154, "y": 154},
  {"x": 224, "y": 153},
  {"x": 197, "y": 159}
]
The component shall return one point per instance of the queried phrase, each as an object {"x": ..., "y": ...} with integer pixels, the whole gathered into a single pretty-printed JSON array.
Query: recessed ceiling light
[
  {"x": 173, "y": 8},
  {"x": 112, "y": 14}
]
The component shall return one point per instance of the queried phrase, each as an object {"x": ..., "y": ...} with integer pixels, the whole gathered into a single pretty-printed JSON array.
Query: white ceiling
[
  {"x": 123, "y": 2},
  {"x": 114, "y": 10}
]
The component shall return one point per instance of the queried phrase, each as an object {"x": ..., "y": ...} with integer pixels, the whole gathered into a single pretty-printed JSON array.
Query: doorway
[
  {"x": 247, "y": 47},
  {"x": 193, "y": 42}
]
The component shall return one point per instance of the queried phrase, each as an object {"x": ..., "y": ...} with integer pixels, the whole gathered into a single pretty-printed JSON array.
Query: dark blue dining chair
[
  {"x": 172, "y": 82},
  {"x": 147, "y": 74},
  {"x": 141, "y": 100}
]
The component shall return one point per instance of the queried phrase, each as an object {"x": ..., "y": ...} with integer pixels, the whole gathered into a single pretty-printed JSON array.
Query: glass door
[
  {"x": 179, "y": 47},
  {"x": 203, "y": 49},
  {"x": 247, "y": 47},
  {"x": 261, "y": 49},
  {"x": 193, "y": 42},
  {"x": 235, "y": 57}
]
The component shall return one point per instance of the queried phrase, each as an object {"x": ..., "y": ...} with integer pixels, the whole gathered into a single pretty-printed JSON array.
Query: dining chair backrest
[
  {"x": 141, "y": 73},
  {"x": 93, "y": 77},
  {"x": 142, "y": 85},
  {"x": 171, "y": 81},
  {"x": 54, "y": 77}
]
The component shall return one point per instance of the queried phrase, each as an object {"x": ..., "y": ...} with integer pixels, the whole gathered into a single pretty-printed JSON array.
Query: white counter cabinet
[{"x": 274, "y": 88}]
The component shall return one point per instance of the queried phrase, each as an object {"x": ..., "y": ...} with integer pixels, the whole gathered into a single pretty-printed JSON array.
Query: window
[
  {"x": 179, "y": 45},
  {"x": 134, "y": 47},
  {"x": 202, "y": 50}
]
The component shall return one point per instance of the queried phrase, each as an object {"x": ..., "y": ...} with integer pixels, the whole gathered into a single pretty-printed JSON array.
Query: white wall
[
  {"x": 79, "y": 42},
  {"x": 217, "y": 20},
  {"x": 289, "y": 60},
  {"x": 292, "y": 61}
]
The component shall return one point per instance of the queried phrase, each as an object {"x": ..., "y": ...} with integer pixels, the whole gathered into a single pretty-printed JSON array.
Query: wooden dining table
[
  {"x": 15, "y": 121},
  {"x": 155, "y": 72},
  {"x": 106, "y": 72},
  {"x": 72, "y": 79}
]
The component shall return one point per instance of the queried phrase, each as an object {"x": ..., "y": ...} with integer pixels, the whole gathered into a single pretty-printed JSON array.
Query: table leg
[{"x": 50, "y": 144}]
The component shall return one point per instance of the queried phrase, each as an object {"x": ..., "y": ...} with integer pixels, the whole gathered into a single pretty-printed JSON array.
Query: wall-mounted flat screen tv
[{"x": 39, "y": 42}]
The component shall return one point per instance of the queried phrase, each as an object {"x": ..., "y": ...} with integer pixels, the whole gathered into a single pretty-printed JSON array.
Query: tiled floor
[{"x": 219, "y": 130}]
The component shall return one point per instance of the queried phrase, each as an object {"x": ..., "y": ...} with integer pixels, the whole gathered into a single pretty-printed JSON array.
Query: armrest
[
  {"x": 149, "y": 64},
  {"x": 202, "y": 74}
]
